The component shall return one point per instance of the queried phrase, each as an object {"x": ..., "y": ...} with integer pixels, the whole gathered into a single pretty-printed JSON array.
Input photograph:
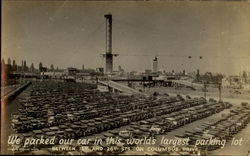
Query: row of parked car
[
  {"x": 77, "y": 110},
  {"x": 161, "y": 124},
  {"x": 223, "y": 128}
]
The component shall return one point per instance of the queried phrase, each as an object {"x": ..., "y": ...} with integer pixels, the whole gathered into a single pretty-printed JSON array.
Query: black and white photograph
[{"x": 126, "y": 77}]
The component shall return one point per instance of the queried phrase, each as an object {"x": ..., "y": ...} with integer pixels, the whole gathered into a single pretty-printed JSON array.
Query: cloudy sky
[{"x": 72, "y": 33}]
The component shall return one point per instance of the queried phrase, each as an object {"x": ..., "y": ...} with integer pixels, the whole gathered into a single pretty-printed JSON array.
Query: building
[
  {"x": 234, "y": 82},
  {"x": 54, "y": 74},
  {"x": 148, "y": 71},
  {"x": 72, "y": 71},
  {"x": 100, "y": 70},
  {"x": 155, "y": 65}
]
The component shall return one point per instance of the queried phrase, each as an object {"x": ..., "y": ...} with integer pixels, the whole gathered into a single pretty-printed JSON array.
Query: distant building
[
  {"x": 173, "y": 72},
  {"x": 9, "y": 61},
  {"x": 83, "y": 67},
  {"x": 184, "y": 72},
  {"x": 32, "y": 68},
  {"x": 90, "y": 71},
  {"x": 198, "y": 77},
  {"x": 72, "y": 71},
  {"x": 3, "y": 63},
  {"x": 155, "y": 65},
  {"x": 148, "y": 71},
  {"x": 14, "y": 66},
  {"x": 120, "y": 69},
  {"x": 40, "y": 66},
  {"x": 232, "y": 82},
  {"x": 225, "y": 83},
  {"x": 100, "y": 70},
  {"x": 132, "y": 73},
  {"x": 121, "y": 72},
  {"x": 51, "y": 67},
  {"x": 44, "y": 69},
  {"x": 54, "y": 74}
]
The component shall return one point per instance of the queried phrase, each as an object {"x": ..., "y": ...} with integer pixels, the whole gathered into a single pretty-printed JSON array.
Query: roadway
[{"x": 120, "y": 87}]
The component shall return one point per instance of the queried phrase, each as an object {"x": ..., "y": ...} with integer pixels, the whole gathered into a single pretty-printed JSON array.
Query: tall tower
[
  {"x": 108, "y": 54},
  {"x": 155, "y": 64}
]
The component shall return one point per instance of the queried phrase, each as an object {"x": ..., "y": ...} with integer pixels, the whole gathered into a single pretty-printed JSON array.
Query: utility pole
[
  {"x": 205, "y": 90},
  {"x": 219, "y": 87}
]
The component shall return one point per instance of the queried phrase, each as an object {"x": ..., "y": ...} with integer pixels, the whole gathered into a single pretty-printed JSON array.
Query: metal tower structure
[{"x": 108, "y": 54}]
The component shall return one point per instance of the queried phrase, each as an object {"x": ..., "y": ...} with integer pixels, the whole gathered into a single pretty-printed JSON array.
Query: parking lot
[{"x": 80, "y": 111}]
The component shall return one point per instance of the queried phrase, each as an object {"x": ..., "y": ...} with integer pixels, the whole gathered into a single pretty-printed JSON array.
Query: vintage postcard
[{"x": 131, "y": 77}]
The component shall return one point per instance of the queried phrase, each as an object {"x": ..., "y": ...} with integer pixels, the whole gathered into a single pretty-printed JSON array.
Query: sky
[{"x": 72, "y": 33}]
